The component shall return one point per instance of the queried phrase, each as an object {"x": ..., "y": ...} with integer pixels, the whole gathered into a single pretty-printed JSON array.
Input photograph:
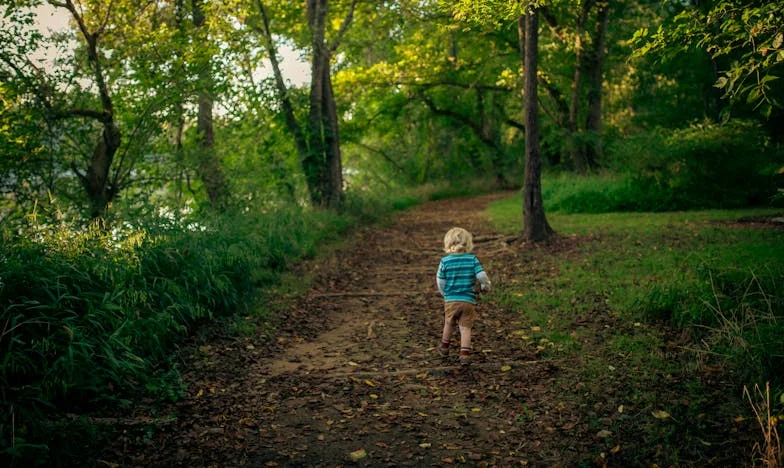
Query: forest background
[{"x": 158, "y": 167}]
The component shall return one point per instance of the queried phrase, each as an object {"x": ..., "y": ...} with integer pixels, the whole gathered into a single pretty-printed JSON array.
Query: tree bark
[
  {"x": 314, "y": 163},
  {"x": 210, "y": 169},
  {"x": 332, "y": 143},
  {"x": 593, "y": 124},
  {"x": 535, "y": 225},
  {"x": 576, "y": 149},
  {"x": 96, "y": 180}
]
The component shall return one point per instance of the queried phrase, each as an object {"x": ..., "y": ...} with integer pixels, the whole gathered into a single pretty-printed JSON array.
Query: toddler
[{"x": 457, "y": 272}]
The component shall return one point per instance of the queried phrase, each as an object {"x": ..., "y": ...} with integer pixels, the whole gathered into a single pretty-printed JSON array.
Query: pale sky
[{"x": 51, "y": 19}]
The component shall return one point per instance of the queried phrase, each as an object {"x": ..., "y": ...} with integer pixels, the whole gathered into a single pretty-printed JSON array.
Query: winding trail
[{"x": 354, "y": 376}]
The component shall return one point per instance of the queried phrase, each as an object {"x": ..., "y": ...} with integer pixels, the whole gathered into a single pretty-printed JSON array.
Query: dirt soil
[{"x": 353, "y": 376}]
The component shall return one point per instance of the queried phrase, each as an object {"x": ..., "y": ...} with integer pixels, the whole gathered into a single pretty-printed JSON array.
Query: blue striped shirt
[{"x": 459, "y": 273}]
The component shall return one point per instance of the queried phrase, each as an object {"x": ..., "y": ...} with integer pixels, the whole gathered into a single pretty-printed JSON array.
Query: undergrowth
[{"x": 92, "y": 317}]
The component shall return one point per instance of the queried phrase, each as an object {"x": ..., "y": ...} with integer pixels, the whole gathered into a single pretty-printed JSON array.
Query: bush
[
  {"x": 93, "y": 316},
  {"x": 702, "y": 166}
]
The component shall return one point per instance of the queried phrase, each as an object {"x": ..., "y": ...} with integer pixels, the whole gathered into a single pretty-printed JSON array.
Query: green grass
[{"x": 720, "y": 283}]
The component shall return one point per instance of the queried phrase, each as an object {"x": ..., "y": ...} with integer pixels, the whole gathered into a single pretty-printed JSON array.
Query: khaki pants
[{"x": 462, "y": 313}]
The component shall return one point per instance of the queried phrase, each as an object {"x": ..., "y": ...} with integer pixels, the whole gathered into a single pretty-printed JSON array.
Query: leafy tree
[
  {"x": 744, "y": 39},
  {"x": 535, "y": 225},
  {"x": 318, "y": 141}
]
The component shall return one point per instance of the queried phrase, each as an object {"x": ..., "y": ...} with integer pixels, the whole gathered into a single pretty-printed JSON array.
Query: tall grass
[{"x": 90, "y": 317}]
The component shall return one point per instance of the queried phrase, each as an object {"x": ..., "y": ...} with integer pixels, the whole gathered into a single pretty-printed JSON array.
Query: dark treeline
[{"x": 160, "y": 164}]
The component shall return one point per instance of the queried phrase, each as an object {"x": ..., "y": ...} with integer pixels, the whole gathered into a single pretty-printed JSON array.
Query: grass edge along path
[{"x": 668, "y": 375}]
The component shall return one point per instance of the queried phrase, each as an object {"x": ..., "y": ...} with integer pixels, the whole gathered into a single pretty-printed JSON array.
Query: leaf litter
[{"x": 353, "y": 376}]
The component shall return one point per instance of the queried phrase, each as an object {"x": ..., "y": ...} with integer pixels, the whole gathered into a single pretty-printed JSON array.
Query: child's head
[{"x": 458, "y": 240}]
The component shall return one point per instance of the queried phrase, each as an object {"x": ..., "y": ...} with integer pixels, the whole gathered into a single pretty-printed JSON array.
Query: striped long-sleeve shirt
[{"x": 456, "y": 276}]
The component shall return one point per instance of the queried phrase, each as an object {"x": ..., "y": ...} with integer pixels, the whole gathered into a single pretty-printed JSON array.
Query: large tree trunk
[
  {"x": 210, "y": 169},
  {"x": 535, "y": 225},
  {"x": 332, "y": 143},
  {"x": 322, "y": 164},
  {"x": 593, "y": 124},
  {"x": 314, "y": 163}
]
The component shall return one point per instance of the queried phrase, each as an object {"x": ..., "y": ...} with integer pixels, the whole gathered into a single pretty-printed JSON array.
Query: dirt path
[{"x": 354, "y": 373}]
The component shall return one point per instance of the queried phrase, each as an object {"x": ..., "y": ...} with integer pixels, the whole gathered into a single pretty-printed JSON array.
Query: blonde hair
[{"x": 458, "y": 240}]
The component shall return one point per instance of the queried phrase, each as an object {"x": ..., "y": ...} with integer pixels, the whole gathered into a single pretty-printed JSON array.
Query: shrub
[
  {"x": 702, "y": 166},
  {"x": 92, "y": 316}
]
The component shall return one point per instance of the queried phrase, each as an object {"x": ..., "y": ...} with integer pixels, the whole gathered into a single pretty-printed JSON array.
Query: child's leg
[
  {"x": 465, "y": 338},
  {"x": 449, "y": 329}
]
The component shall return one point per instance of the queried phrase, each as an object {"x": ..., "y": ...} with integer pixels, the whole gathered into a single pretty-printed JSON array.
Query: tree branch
[
  {"x": 379, "y": 152},
  {"x": 343, "y": 27},
  {"x": 283, "y": 93}
]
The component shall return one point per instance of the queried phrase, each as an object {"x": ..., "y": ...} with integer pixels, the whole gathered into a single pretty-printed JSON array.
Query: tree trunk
[
  {"x": 535, "y": 225},
  {"x": 593, "y": 124},
  {"x": 322, "y": 164},
  {"x": 286, "y": 106},
  {"x": 314, "y": 164},
  {"x": 210, "y": 170},
  {"x": 576, "y": 148},
  {"x": 96, "y": 182},
  {"x": 332, "y": 143}
]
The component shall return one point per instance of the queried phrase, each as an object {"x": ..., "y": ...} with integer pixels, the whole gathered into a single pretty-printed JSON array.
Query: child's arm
[
  {"x": 484, "y": 281},
  {"x": 440, "y": 279}
]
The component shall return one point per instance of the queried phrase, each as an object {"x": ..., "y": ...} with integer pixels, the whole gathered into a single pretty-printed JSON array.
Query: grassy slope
[{"x": 622, "y": 271}]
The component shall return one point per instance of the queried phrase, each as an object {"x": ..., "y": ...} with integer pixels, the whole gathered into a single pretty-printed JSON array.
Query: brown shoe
[{"x": 465, "y": 356}]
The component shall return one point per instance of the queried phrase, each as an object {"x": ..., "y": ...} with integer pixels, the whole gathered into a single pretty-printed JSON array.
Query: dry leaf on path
[
  {"x": 659, "y": 414},
  {"x": 357, "y": 455}
]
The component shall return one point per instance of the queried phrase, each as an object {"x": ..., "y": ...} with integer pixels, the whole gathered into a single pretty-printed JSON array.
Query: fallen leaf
[
  {"x": 620, "y": 409},
  {"x": 271, "y": 463},
  {"x": 476, "y": 410},
  {"x": 424, "y": 415},
  {"x": 374, "y": 396},
  {"x": 536, "y": 329},
  {"x": 506, "y": 368},
  {"x": 615, "y": 449},
  {"x": 352, "y": 363},
  {"x": 320, "y": 437},
  {"x": 357, "y": 455},
  {"x": 369, "y": 382},
  {"x": 659, "y": 414},
  {"x": 740, "y": 419},
  {"x": 201, "y": 392},
  {"x": 603, "y": 434},
  {"x": 424, "y": 445},
  {"x": 448, "y": 461}
]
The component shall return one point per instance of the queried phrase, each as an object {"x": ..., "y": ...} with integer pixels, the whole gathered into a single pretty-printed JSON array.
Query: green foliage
[
  {"x": 693, "y": 269},
  {"x": 91, "y": 316},
  {"x": 703, "y": 166},
  {"x": 744, "y": 40}
]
